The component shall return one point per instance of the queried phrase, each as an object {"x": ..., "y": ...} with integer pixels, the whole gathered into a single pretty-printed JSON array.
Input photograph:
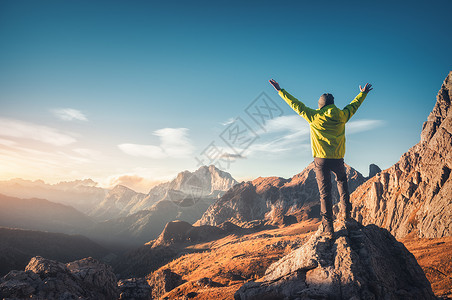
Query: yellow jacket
[{"x": 327, "y": 124}]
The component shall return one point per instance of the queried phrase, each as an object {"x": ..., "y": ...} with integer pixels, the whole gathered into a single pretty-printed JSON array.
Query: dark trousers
[{"x": 323, "y": 168}]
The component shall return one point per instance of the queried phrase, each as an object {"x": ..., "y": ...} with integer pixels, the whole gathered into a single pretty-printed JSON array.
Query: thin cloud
[
  {"x": 174, "y": 143},
  {"x": 293, "y": 123},
  {"x": 228, "y": 121},
  {"x": 280, "y": 135},
  {"x": 362, "y": 125},
  {"x": 7, "y": 143},
  {"x": 232, "y": 156},
  {"x": 69, "y": 114},
  {"x": 20, "y": 129},
  {"x": 88, "y": 152}
]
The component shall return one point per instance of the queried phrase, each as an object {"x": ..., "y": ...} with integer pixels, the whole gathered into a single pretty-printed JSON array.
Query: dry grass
[
  {"x": 435, "y": 258},
  {"x": 234, "y": 260}
]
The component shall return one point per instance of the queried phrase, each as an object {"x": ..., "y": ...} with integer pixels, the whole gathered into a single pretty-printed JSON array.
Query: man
[{"x": 327, "y": 126}]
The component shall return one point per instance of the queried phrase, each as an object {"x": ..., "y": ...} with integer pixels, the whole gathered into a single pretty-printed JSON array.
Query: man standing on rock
[{"x": 327, "y": 125}]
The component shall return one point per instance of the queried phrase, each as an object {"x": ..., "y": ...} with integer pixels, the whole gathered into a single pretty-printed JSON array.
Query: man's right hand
[
  {"x": 367, "y": 88},
  {"x": 275, "y": 84}
]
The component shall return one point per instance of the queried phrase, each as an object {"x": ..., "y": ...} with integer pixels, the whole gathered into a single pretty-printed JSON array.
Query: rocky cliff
[
  {"x": 357, "y": 263},
  {"x": 414, "y": 195},
  {"x": 272, "y": 198}
]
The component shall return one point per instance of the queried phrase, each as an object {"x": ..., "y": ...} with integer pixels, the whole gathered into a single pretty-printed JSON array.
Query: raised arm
[
  {"x": 351, "y": 109},
  {"x": 296, "y": 105}
]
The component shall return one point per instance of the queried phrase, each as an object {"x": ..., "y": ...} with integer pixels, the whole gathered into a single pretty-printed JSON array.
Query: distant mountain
[
  {"x": 84, "y": 195},
  {"x": 44, "y": 215},
  {"x": 272, "y": 198},
  {"x": 18, "y": 246},
  {"x": 185, "y": 198},
  {"x": 414, "y": 195},
  {"x": 206, "y": 182},
  {"x": 118, "y": 203}
]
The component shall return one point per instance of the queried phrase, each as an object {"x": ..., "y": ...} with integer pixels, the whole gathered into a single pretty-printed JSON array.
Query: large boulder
[
  {"x": 357, "y": 263},
  {"x": 49, "y": 279}
]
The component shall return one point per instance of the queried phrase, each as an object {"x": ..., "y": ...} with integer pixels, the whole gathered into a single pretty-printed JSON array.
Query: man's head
[{"x": 325, "y": 99}]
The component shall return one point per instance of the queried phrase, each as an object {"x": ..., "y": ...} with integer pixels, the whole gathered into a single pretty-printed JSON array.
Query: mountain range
[
  {"x": 123, "y": 216},
  {"x": 185, "y": 198},
  {"x": 83, "y": 195},
  {"x": 274, "y": 199}
]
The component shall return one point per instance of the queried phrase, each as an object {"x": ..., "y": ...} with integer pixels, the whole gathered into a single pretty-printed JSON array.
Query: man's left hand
[{"x": 275, "y": 84}]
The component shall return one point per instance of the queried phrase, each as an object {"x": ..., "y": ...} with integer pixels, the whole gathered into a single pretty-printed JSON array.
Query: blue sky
[{"x": 116, "y": 90}]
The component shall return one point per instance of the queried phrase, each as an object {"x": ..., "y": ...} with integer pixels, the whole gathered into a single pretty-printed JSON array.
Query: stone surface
[
  {"x": 357, "y": 263},
  {"x": 271, "y": 198},
  {"x": 48, "y": 279},
  {"x": 415, "y": 194},
  {"x": 134, "y": 289}
]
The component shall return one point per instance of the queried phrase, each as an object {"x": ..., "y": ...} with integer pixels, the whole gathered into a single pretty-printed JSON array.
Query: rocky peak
[
  {"x": 118, "y": 202},
  {"x": 440, "y": 110},
  {"x": 121, "y": 192},
  {"x": 414, "y": 194},
  {"x": 207, "y": 180},
  {"x": 373, "y": 170},
  {"x": 357, "y": 263}
]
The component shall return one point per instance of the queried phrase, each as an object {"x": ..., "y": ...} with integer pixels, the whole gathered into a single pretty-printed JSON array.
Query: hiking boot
[{"x": 326, "y": 227}]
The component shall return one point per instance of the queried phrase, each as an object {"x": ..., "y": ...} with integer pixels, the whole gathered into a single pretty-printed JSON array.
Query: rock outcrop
[
  {"x": 48, "y": 279},
  {"x": 373, "y": 170},
  {"x": 272, "y": 198},
  {"x": 163, "y": 281},
  {"x": 134, "y": 289},
  {"x": 414, "y": 195},
  {"x": 357, "y": 263},
  {"x": 180, "y": 232}
]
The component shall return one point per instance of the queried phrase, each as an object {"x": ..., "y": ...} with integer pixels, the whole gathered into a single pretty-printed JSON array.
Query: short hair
[{"x": 326, "y": 99}]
